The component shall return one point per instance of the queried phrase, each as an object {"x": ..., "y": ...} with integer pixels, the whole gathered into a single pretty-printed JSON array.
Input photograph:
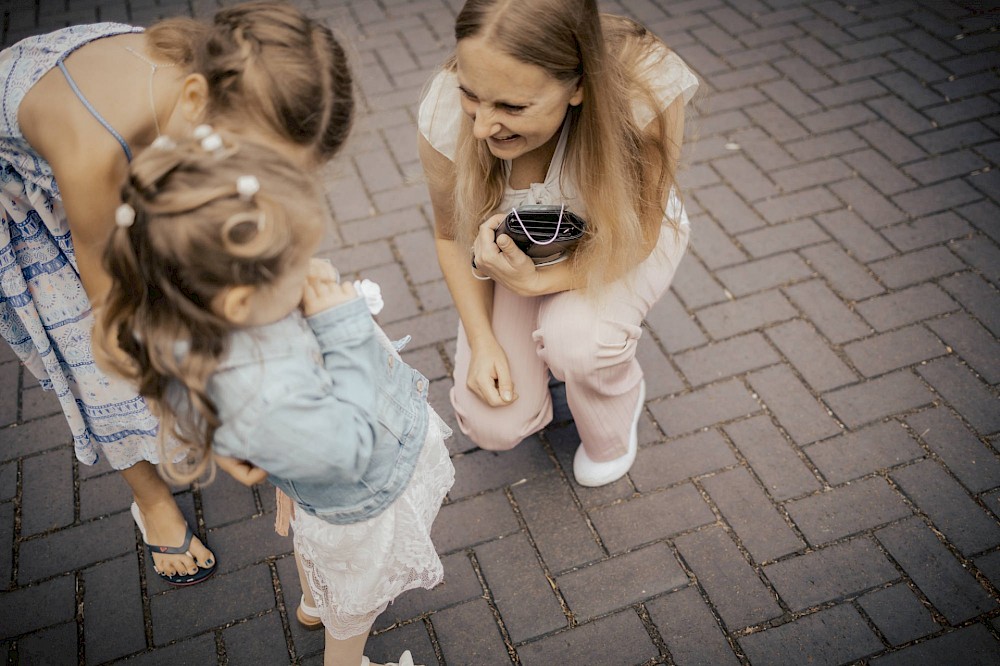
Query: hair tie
[
  {"x": 124, "y": 216},
  {"x": 202, "y": 131},
  {"x": 212, "y": 144},
  {"x": 247, "y": 186},
  {"x": 163, "y": 142}
]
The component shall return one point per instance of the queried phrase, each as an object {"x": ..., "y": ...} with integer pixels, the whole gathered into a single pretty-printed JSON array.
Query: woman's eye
[
  {"x": 512, "y": 108},
  {"x": 467, "y": 95}
]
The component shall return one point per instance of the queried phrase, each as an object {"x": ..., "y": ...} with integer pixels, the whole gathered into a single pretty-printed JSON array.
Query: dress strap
[{"x": 93, "y": 111}]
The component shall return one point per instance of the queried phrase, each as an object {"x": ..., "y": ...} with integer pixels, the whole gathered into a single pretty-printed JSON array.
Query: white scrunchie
[{"x": 372, "y": 294}]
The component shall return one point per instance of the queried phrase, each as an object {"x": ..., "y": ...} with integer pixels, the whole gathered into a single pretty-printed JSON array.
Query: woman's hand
[
  {"x": 501, "y": 259},
  {"x": 323, "y": 289},
  {"x": 243, "y": 471},
  {"x": 489, "y": 375}
]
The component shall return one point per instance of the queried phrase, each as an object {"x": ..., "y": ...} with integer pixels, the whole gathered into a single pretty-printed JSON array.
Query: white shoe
[
  {"x": 405, "y": 659},
  {"x": 593, "y": 474}
]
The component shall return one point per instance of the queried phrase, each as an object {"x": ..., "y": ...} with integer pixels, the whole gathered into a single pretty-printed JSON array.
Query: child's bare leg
[
  {"x": 306, "y": 592},
  {"x": 344, "y": 653}
]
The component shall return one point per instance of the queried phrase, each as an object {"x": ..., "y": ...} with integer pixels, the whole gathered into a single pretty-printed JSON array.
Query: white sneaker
[
  {"x": 593, "y": 474},
  {"x": 405, "y": 659}
]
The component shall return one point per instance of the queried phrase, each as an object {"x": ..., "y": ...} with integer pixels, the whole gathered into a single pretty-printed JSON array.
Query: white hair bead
[
  {"x": 124, "y": 215},
  {"x": 247, "y": 186}
]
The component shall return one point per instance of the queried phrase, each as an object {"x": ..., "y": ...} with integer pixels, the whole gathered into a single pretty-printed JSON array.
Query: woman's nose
[{"x": 484, "y": 125}]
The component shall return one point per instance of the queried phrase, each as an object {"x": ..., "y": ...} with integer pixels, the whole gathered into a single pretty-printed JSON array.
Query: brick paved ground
[{"x": 819, "y": 479}]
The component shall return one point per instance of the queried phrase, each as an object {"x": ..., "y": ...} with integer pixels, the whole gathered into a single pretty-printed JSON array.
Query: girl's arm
[
  {"x": 489, "y": 372},
  {"x": 319, "y": 426}
]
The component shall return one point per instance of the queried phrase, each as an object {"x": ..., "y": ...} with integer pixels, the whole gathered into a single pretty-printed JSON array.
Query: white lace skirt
[{"x": 354, "y": 571}]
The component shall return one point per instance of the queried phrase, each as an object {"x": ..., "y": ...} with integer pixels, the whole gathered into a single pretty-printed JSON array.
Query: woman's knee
[{"x": 498, "y": 428}]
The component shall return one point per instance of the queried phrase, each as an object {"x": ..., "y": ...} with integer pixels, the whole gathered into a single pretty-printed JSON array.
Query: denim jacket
[{"x": 327, "y": 407}]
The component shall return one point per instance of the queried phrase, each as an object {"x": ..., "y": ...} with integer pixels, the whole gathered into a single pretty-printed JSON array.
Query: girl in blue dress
[{"x": 78, "y": 104}]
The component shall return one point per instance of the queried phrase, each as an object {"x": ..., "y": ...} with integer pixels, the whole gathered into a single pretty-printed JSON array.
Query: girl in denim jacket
[{"x": 251, "y": 349}]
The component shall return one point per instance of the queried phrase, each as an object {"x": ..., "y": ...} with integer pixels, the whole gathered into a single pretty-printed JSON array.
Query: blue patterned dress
[{"x": 44, "y": 312}]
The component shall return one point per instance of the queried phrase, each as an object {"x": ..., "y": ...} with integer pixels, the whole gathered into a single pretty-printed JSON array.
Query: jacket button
[{"x": 420, "y": 385}]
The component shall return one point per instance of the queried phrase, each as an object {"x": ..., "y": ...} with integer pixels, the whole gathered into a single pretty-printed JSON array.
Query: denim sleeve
[{"x": 321, "y": 424}]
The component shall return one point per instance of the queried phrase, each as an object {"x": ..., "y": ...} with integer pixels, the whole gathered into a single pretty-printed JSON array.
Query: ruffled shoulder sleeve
[
  {"x": 440, "y": 114},
  {"x": 669, "y": 78}
]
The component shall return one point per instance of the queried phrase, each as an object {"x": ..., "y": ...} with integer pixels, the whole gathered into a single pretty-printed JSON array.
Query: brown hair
[
  {"x": 269, "y": 65},
  {"x": 622, "y": 172},
  {"x": 194, "y": 236}
]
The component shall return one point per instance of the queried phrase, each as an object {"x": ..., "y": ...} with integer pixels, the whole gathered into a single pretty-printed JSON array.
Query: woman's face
[{"x": 516, "y": 107}]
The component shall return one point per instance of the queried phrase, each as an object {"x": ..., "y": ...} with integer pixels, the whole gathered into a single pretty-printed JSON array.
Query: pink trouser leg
[{"x": 590, "y": 343}]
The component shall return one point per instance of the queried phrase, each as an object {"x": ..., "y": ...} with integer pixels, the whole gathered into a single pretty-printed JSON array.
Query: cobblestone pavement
[{"x": 818, "y": 479}]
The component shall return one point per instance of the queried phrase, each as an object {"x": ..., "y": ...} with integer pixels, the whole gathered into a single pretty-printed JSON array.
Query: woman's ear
[
  {"x": 194, "y": 98},
  {"x": 577, "y": 98},
  {"x": 235, "y": 304}
]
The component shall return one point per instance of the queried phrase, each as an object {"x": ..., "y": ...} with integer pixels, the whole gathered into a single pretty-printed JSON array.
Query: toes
[{"x": 202, "y": 556}]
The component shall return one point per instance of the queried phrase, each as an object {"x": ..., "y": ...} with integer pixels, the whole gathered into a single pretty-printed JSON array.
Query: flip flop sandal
[
  {"x": 308, "y": 616},
  {"x": 177, "y": 580}
]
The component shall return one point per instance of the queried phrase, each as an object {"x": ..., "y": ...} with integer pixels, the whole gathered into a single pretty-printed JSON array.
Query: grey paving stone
[
  {"x": 758, "y": 525},
  {"x": 981, "y": 254},
  {"x": 481, "y": 470},
  {"x": 660, "y": 376},
  {"x": 689, "y": 629},
  {"x": 52, "y": 602},
  {"x": 103, "y": 495},
  {"x": 811, "y": 355},
  {"x": 670, "y": 462},
  {"x": 707, "y": 406},
  {"x": 914, "y": 267},
  {"x": 9, "y": 392},
  {"x": 712, "y": 244},
  {"x": 306, "y": 642},
  {"x": 970, "y": 646},
  {"x": 897, "y": 349},
  {"x": 695, "y": 286},
  {"x": 969, "y": 459},
  {"x": 878, "y": 398},
  {"x": 980, "y": 299},
  {"x": 827, "y": 312},
  {"x": 969, "y": 396},
  {"x": 38, "y": 403},
  {"x": 898, "y": 614},
  {"x": 560, "y": 531},
  {"x": 745, "y": 314},
  {"x": 762, "y": 274},
  {"x": 520, "y": 588},
  {"x": 830, "y": 574},
  {"x": 7, "y": 544},
  {"x": 772, "y": 458},
  {"x": 223, "y": 598},
  {"x": 75, "y": 547},
  {"x": 197, "y": 651},
  {"x": 230, "y": 542},
  {"x": 53, "y": 646},
  {"x": 469, "y": 635},
  {"x": 805, "y": 419},
  {"x": 673, "y": 326},
  {"x": 226, "y": 500},
  {"x": 906, "y": 306},
  {"x": 740, "y": 597},
  {"x": 963, "y": 522},
  {"x": 27, "y": 438},
  {"x": 8, "y": 481},
  {"x": 946, "y": 583},
  {"x": 471, "y": 521},
  {"x": 258, "y": 640},
  {"x": 846, "y": 510},
  {"x": 113, "y": 624},
  {"x": 845, "y": 275},
  {"x": 725, "y": 359},
  {"x": 832, "y": 636},
  {"x": 650, "y": 517},
  {"x": 47, "y": 495},
  {"x": 927, "y": 231},
  {"x": 859, "y": 453},
  {"x": 619, "y": 638},
  {"x": 621, "y": 581},
  {"x": 973, "y": 343}
]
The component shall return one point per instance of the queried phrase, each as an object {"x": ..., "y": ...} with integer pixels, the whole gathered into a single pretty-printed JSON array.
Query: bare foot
[{"x": 165, "y": 526}]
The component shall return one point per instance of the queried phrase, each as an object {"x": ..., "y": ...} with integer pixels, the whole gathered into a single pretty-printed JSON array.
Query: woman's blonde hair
[
  {"x": 622, "y": 171},
  {"x": 194, "y": 236},
  {"x": 270, "y": 66}
]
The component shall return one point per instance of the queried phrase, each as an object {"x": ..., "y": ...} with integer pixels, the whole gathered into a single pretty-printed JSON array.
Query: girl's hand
[
  {"x": 243, "y": 471},
  {"x": 489, "y": 375},
  {"x": 323, "y": 289},
  {"x": 501, "y": 259}
]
